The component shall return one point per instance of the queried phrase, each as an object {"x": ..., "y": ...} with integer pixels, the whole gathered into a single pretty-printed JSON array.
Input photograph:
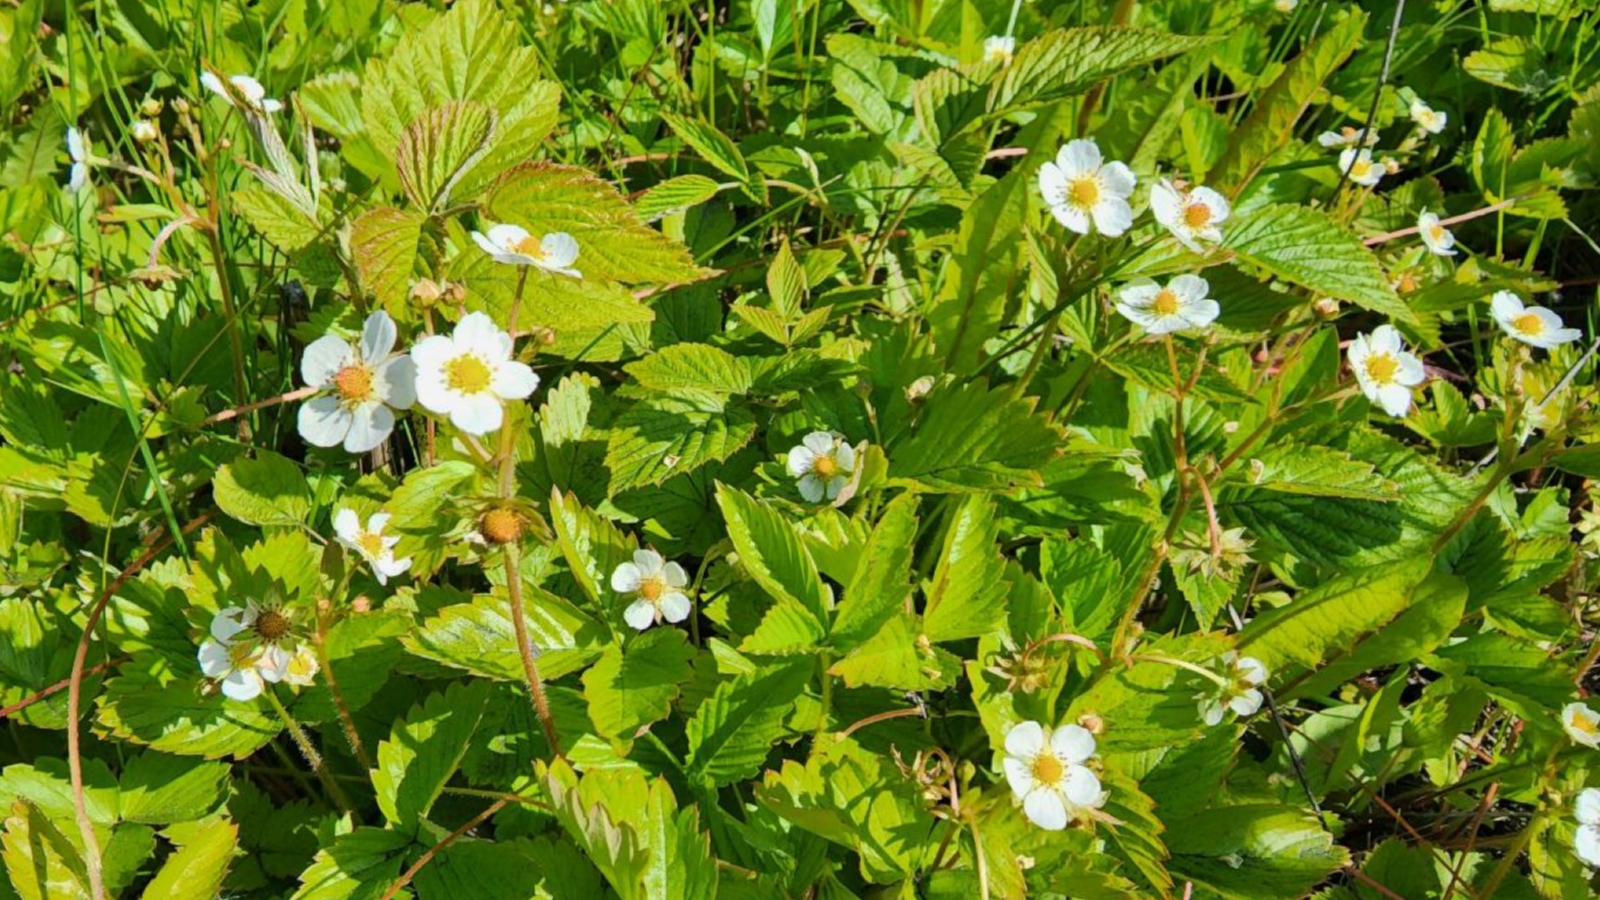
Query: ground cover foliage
[{"x": 816, "y": 449}]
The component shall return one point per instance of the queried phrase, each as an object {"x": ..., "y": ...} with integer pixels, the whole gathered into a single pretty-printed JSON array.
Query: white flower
[
  {"x": 243, "y": 651},
  {"x": 1427, "y": 118},
  {"x": 1362, "y": 170},
  {"x": 1385, "y": 371},
  {"x": 78, "y": 149},
  {"x": 1285, "y": 6},
  {"x": 1582, "y": 724},
  {"x": 824, "y": 464},
  {"x": 244, "y": 88},
  {"x": 143, "y": 130},
  {"x": 1192, "y": 216},
  {"x": 1346, "y": 137},
  {"x": 371, "y": 543},
  {"x": 659, "y": 588},
  {"x": 1435, "y": 237},
  {"x": 1179, "y": 306},
  {"x": 555, "y": 252},
  {"x": 1083, "y": 193},
  {"x": 999, "y": 48},
  {"x": 1241, "y": 695},
  {"x": 1533, "y": 325},
  {"x": 468, "y": 374},
  {"x": 1046, "y": 772},
  {"x": 359, "y": 387},
  {"x": 1586, "y": 843}
]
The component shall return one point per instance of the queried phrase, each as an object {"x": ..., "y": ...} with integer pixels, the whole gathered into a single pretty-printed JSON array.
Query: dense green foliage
[{"x": 658, "y": 450}]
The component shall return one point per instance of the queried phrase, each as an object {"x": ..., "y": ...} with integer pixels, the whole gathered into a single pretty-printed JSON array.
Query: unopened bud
[
  {"x": 144, "y": 131},
  {"x": 1326, "y": 308},
  {"x": 150, "y": 108},
  {"x": 180, "y": 106},
  {"x": 1092, "y": 723},
  {"x": 361, "y": 604},
  {"x": 919, "y": 388}
]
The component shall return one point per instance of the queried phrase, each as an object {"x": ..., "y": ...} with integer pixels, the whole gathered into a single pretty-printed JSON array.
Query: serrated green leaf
[
  {"x": 1308, "y": 248},
  {"x": 1062, "y": 63},
  {"x": 40, "y": 862},
  {"x": 675, "y": 194},
  {"x": 479, "y": 636},
  {"x": 281, "y": 222},
  {"x": 881, "y": 584},
  {"x": 734, "y": 729},
  {"x": 717, "y": 149},
  {"x": 967, "y": 596},
  {"x": 1148, "y": 364},
  {"x": 897, "y": 656},
  {"x": 1256, "y": 852},
  {"x": 634, "y": 685},
  {"x": 972, "y": 305},
  {"x": 423, "y": 751},
  {"x": 695, "y": 367},
  {"x": 158, "y": 789},
  {"x": 356, "y": 866},
  {"x": 384, "y": 243},
  {"x": 439, "y": 147},
  {"x": 196, "y": 871},
  {"x": 973, "y": 439},
  {"x": 267, "y": 490},
  {"x": 1332, "y": 616},
  {"x": 665, "y": 436},
  {"x": 1292, "y": 468},
  {"x": 148, "y": 703},
  {"x": 772, "y": 554}
]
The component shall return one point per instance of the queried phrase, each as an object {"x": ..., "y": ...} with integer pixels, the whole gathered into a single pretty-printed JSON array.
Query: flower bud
[
  {"x": 1326, "y": 309},
  {"x": 144, "y": 131}
]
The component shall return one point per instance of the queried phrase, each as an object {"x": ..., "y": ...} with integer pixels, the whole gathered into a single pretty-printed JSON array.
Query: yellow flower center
[
  {"x": 272, "y": 625},
  {"x": 353, "y": 383},
  {"x": 1361, "y": 169},
  {"x": 825, "y": 467},
  {"x": 500, "y": 526},
  {"x": 1528, "y": 323},
  {"x": 1197, "y": 215},
  {"x": 1436, "y": 231},
  {"x": 1047, "y": 770},
  {"x": 302, "y": 666},
  {"x": 1381, "y": 369},
  {"x": 1084, "y": 192},
  {"x": 529, "y": 246},
  {"x": 371, "y": 543},
  {"x": 1585, "y": 725},
  {"x": 1166, "y": 303},
  {"x": 240, "y": 655},
  {"x": 652, "y": 588},
  {"x": 467, "y": 374}
]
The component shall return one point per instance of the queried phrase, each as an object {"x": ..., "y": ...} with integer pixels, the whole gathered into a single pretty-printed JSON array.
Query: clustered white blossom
[
  {"x": 253, "y": 646},
  {"x": 1586, "y": 843},
  {"x": 1049, "y": 773},
  {"x": 822, "y": 466},
  {"x": 1241, "y": 694},
  {"x": 1385, "y": 371},
  {"x": 1581, "y": 723},
  {"x": 657, "y": 588},
  {"x": 370, "y": 542}
]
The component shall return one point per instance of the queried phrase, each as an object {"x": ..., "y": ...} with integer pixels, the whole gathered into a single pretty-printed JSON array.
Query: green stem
[{"x": 308, "y": 750}]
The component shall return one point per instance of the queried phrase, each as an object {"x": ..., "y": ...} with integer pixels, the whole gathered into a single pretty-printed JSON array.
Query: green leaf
[
  {"x": 1254, "y": 852},
  {"x": 973, "y": 439},
  {"x": 674, "y": 195},
  {"x": 1306, "y": 247},
  {"x": 632, "y": 686},
  {"x": 267, "y": 490},
  {"x": 786, "y": 283},
  {"x": 665, "y": 436},
  {"x": 40, "y": 862},
  {"x": 148, "y": 703},
  {"x": 384, "y": 243},
  {"x": 772, "y": 554},
  {"x": 1332, "y": 616},
  {"x": 967, "y": 597},
  {"x": 480, "y": 638},
  {"x": 734, "y": 729},
  {"x": 1271, "y": 123},
  {"x": 1514, "y": 63},
  {"x": 1148, "y": 364},
  {"x": 897, "y": 656},
  {"x": 439, "y": 147},
  {"x": 359, "y": 865},
  {"x": 418, "y": 505},
  {"x": 424, "y": 749},
  {"x": 881, "y": 584},
  {"x": 1431, "y": 614},
  {"x": 196, "y": 871},
  {"x": 158, "y": 789},
  {"x": 971, "y": 306},
  {"x": 1065, "y": 62},
  {"x": 697, "y": 367},
  {"x": 281, "y": 222},
  {"x": 1315, "y": 471},
  {"x": 717, "y": 149},
  {"x": 574, "y": 309},
  {"x": 592, "y": 545},
  {"x": 613, "y": 244}
]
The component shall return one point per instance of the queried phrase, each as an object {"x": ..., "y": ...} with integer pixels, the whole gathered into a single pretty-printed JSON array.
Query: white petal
[
  {"x": 674, "y": 575},
  {"x": 506, "y": 237},
  {"x": 477, "y": 414},
  {"x": 75, "y": 145},
  {"x": 433, "y": 352},
  {"x": 1587, "y": 807},
  {"x": 1025, "y": 740},
  {"x": 1071, "y": 218},
  {"x": 1046, "y": 809},
  {"x": 1113, "y": 216},
  {"x": 273, "y": 664},
  {"x": 1118, "y": 180},
  {"x": 845, "y": 456},
  {"x": 212, "y": 83},
  {"x": 819, "y": 442},
  {"x": 1079, "y": 157},
  {"x": 1586, "y": 843},
  {"x": 1250, "y": 669},
  {"x": 347, "y": 525},
  {"x": 249, "y": 87},
  {"x": 323, "y": 421},
  {"x": 1201, "y": 313},
  {"x": 1395, "y": 399},
  {"x": 1072, "y": 743},
  {"x": 1218, "y": 204},
  {"x": 1411, "y": 372},
  {"x": 488, "y": 246},
  {"x": 1052, "y": 184},
  {"x": 1505, "y": 306},
  {"x": 395, "y": 382},
  {"x": 514, "y": 380},
  {"x": 227, "y": 623},
  {"x": 243, "y": 685},
  {"x": 215, "y": 661},
  {"x": 675, "y": 607},
  {"x": 1019, "y": 774},
  {"x": 1189, "y": 287},
  {"x": 1246, "y": 704},
  {"x": 799, "y": 461},
  {"x": 392, "y": 567},
  {"x": 648, "y": 561},
  {"x": 1211, "y": 712},
  {"x": 370, "y": 425},
  {"x": 378, "y": 335},
  {"x": 1385, "y": 340},
  {"x": 377, "y": 522},
  {"x": 625, "y": 578},
  {"x": 560, "y": 249},
  {"x": 271, "y": 106},
  {"x": 1166, "y": 204},
  {"x": 323, "y": 359},
  {"x": 640, "y": 614},
  {"x": 476, "y": 331},
  {"x": 835, "y": 485},
  {"x": 1083, "y": 786},
  {"x": 812, "y": 488}
]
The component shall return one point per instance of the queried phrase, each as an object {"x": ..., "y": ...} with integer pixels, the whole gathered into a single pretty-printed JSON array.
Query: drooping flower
[
  {"x": 1532, "y": 325},
  {"x": 823, "y": 464},
  {"x": 1192, "y": 216},
  {"x": 1046, "y": 771},
  {"x": 78, "y": 150},
  {"x": 1581, "y": 723},
  {"x": 1360, "y": 167},
  {"x": 1348, "y": 137},
  {"x": 1435, "y": 236},
  {"x": 251, "y": 646},
  {"x": 371, "y": 543},
  {"x": 1181, "y": 305},
  {"x": 1385, "y": 371},
  {"x": 1586, "y": 843},
  {"x": 359, "y": 387},
  {"x": 1086, "y": 194},
  {"x": 657, "y": 586},
  {"x": 468, "y": 374},
  {"x": 1242, "y": 694},
  {"x": 1427, "y": 118},
  {"x": 999, "y": 48},
  {"x": 513, "y": 245},
  {"x": 245, "y": 93}
]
